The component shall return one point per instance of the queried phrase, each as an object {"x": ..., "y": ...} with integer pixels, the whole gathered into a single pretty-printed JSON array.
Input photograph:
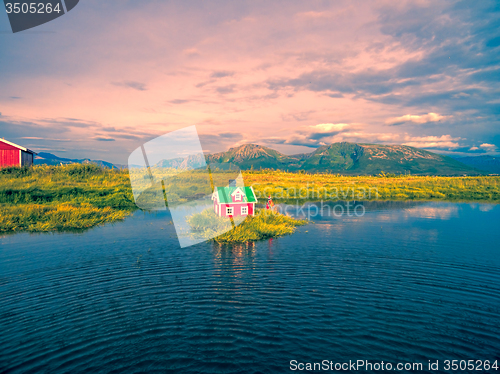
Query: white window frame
[
  {"x": 237, "y": 197},
  {"x": 229, "y": 211},
  {"x": 244, "y": 210}
]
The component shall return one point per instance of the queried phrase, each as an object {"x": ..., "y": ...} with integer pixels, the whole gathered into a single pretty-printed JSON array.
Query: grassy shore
[{"x": 48, "y": 198}]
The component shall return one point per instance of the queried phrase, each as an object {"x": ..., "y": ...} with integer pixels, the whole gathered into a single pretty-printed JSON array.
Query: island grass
[
  {"x": 75, "y": 196},
  {"x": 264, "y": 225}
]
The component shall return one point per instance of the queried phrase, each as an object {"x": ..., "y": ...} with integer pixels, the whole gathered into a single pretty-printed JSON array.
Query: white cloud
[
  {"x": 443, "y": 141},
  {"x": 325, "y": 128},
  {"x": 412, "y": 118},
  {"x": 490, "y": 147}
]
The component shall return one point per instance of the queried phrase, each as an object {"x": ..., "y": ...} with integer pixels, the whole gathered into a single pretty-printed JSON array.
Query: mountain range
[
  {"x": 44, "y": 158},
  {"x": 347, "y": 158},
  {"x": 342, "y": 158}
]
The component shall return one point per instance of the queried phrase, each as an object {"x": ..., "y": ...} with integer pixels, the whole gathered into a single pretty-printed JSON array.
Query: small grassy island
[
  {"x": 81, "y": 196},
  {"x": 264, "y": 225}
]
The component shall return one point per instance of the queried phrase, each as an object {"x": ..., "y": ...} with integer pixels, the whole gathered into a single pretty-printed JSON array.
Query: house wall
[
  {"x": 7, "y": 147},
  {"x": 26, "y": 158},
  {"x": 9, "y": 157},
  {"x": 237, "y": 209}
]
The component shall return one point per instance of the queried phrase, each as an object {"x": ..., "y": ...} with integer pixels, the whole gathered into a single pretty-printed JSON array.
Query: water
[{"x": 406, "y": 282}]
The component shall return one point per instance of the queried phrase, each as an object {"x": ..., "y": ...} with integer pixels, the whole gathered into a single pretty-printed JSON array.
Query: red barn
[
  {"x": 14, "y": 155},
  {"x": 234, "y": 201}
]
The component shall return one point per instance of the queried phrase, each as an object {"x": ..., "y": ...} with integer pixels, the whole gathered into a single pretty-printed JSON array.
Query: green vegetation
[
  {"x": 36, "y": 217},
  {"x": 208, "y": 225},
  {"x": 284, "y": 186},
  {"x": 47, "y": 198},
  {"x": 265, "y": 224},
  {"x": 79, "y": 196}
]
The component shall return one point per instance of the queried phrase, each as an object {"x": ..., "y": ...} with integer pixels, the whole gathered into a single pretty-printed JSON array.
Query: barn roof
[
  {"x": 18, "y": 146},
  {"x": 224, "y": 194}
]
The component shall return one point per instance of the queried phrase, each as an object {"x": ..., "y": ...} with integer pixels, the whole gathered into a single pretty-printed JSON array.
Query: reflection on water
[
  {"x": 341, "y": 210},
  {"x": 231, "y": 261},
  {"x": 404, "y": 282}
]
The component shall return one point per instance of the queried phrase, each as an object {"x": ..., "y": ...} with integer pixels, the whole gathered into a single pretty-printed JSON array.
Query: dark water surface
[{"x": 406, "y": 282}]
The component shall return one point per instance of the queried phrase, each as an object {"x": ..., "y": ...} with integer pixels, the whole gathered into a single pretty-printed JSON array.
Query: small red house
[
  {"x": 14, "y": 155},
  {"x": 234, "y": 201}
]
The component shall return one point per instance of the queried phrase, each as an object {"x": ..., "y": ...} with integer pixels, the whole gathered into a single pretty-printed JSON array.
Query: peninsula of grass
[
  {"x": 81, "y": 196},
  {"x": 59, "y": 198},
  {"x": 287, "y": 187},
  {"x": 264, "y": 225}
]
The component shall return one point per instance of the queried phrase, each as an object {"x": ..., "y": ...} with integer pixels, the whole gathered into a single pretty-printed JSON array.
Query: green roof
[{"x": 224, "y": 194}]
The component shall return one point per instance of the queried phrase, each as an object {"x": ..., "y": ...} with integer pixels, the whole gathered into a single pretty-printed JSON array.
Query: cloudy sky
[{"x": 292, "y": 75}]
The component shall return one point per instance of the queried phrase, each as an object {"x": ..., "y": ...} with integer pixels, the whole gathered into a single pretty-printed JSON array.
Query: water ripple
[{"x": 108, "y": 301}]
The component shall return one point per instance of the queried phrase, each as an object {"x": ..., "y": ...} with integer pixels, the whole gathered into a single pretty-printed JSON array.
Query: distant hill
[
  {"x": 490, "y": 164},
  {"x": 256, "y": 156},
  {"x": 347, "y": 158},
  {"x": 191, "y": 162},
  {"x": 43, "y": 158}
]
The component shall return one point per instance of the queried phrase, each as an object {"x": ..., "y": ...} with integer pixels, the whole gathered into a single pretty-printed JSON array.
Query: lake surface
[{"x": 405, "y": 282}]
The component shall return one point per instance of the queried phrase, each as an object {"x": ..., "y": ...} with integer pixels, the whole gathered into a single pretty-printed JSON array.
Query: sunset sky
[{"x": 292, "y": 75}]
